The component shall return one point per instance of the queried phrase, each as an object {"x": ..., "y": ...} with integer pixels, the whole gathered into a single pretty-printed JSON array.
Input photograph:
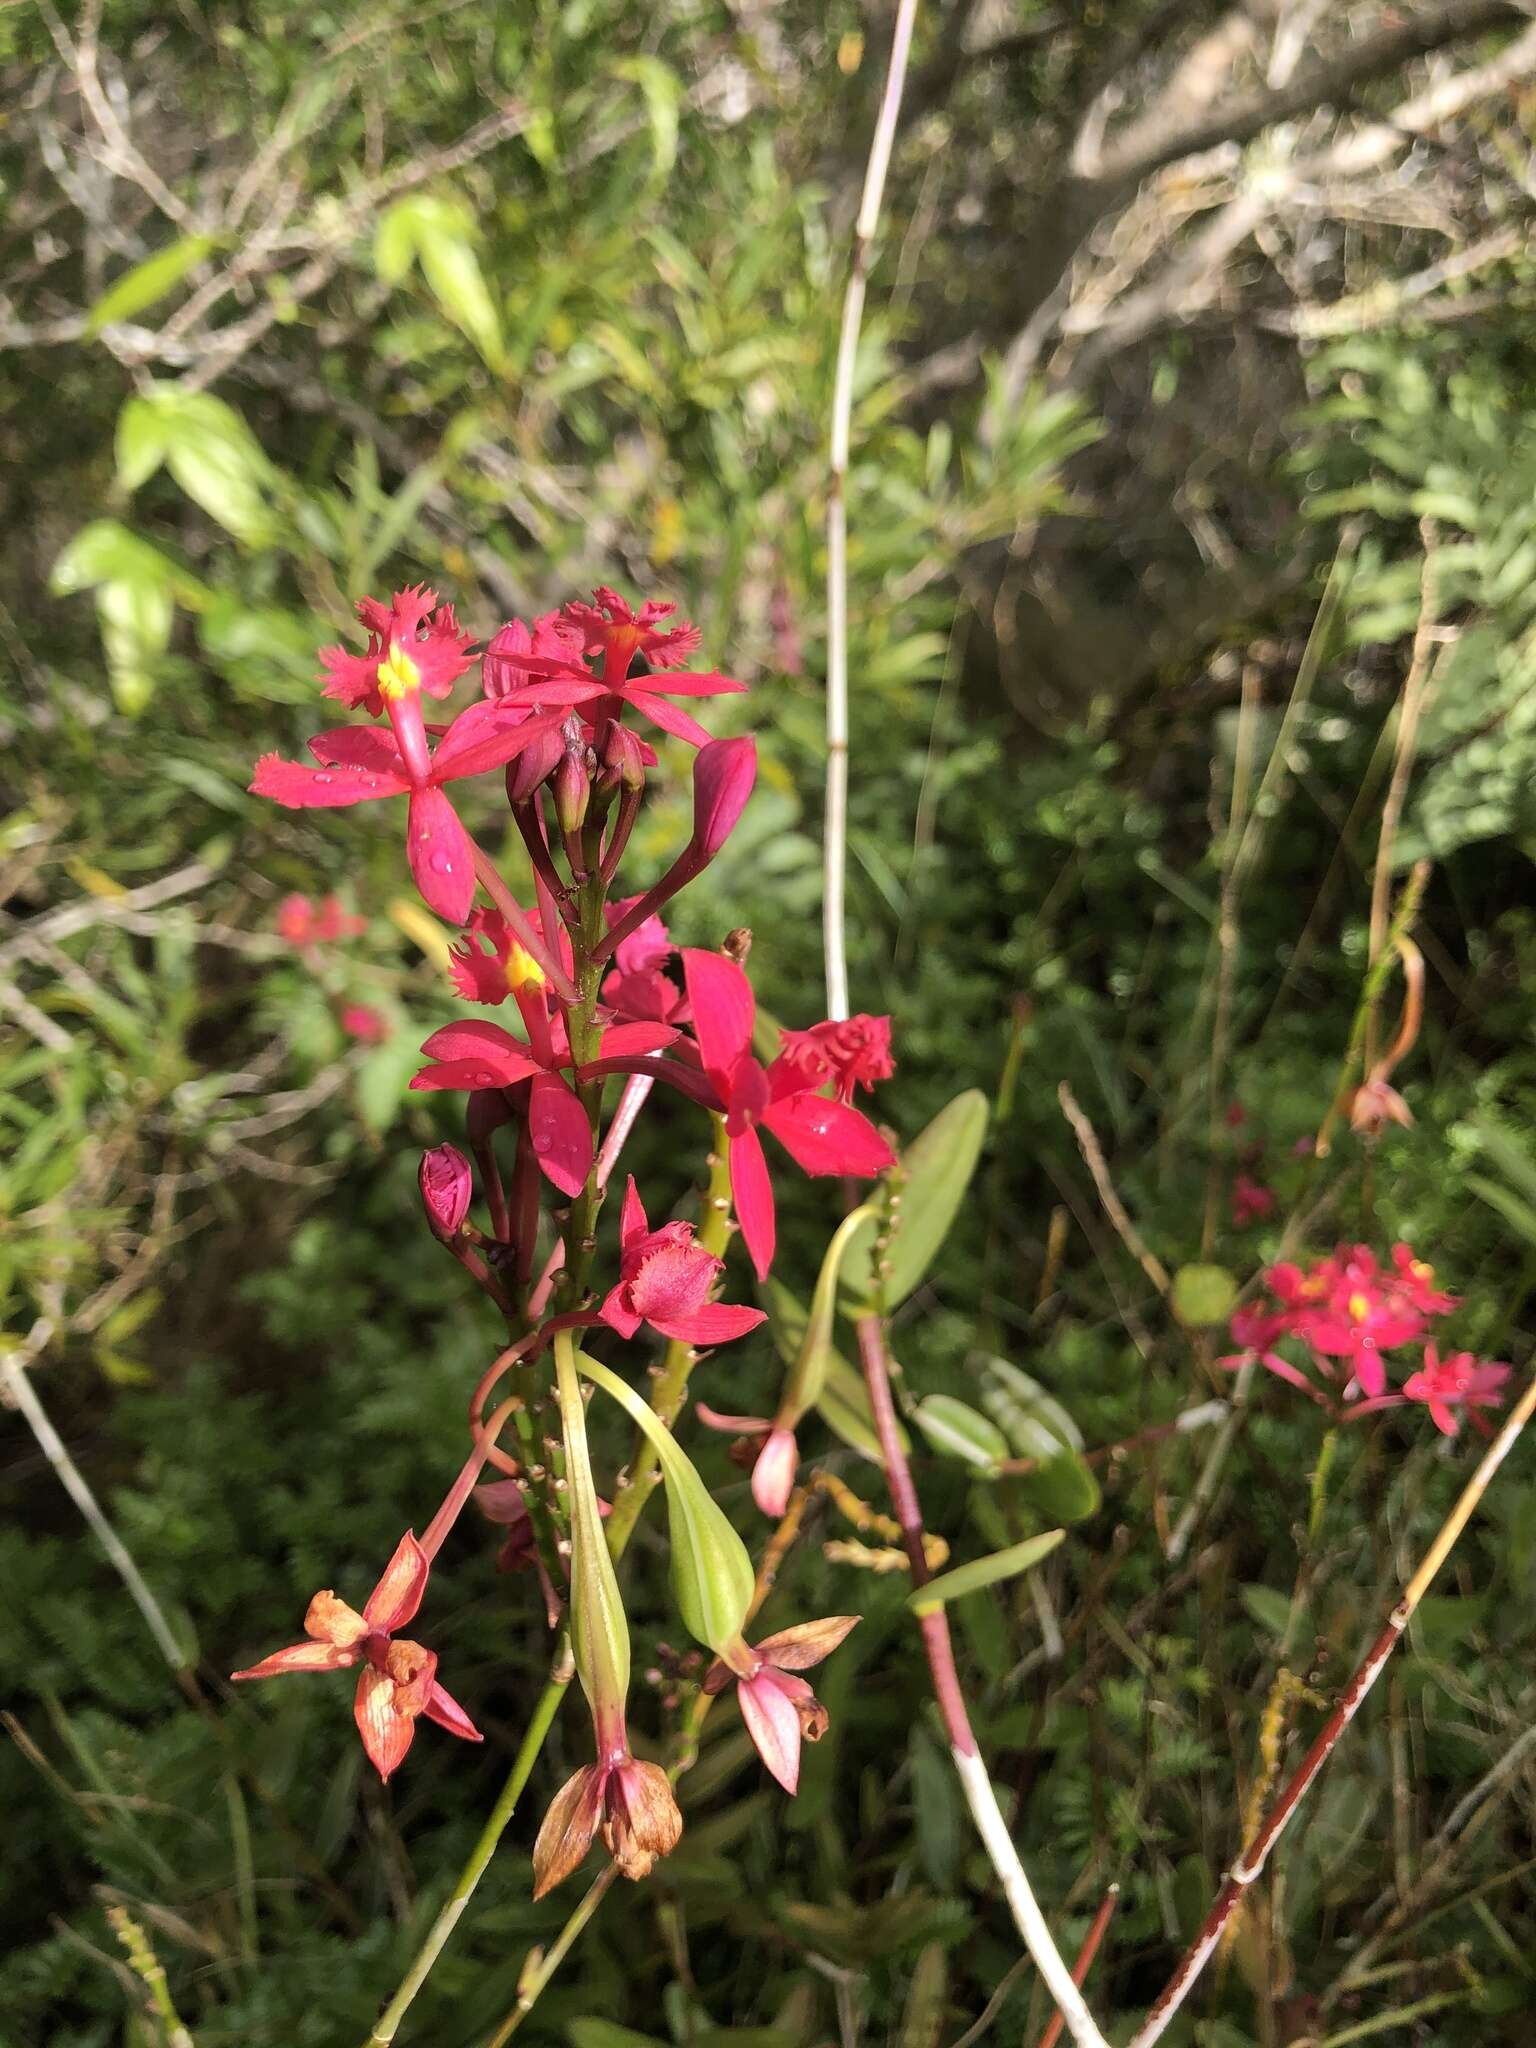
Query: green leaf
[
  {"x": 135, "y": 617},
  {"x": 843, "y": 1403},
  {"x": 604, "y": 2034},
  {"x": 808, "y": 1373},
  {"x": 956, "y": 1430},
  {"x": 663, "y": 99},
  {"x": 216, "y": 459},
  {"x": 439, "y": 234},
  {"x": 1203, "y": 1295},
  {"x": 1062, "y": 1489},
  {"x": 1033, "y": 1421},
  {"x": 140, "y": 442},
  {"x": 102, "y": 552},
  {"x": 147, "y": 281},
  {"x": 983, "y": 1571},
  {"x": 712, "y": 1576},
  {"x": 934, "y": 1173},
  {"x": 1268, "y": 1606}
]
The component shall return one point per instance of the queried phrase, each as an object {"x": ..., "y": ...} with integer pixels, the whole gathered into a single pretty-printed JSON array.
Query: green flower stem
[
  {"x": 485, "y": 1848},
  {"x": 671, "y": 1388}
]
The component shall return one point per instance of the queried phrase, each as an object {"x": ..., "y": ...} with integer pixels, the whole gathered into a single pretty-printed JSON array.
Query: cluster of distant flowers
[{"x": 1356, "y": 1329}]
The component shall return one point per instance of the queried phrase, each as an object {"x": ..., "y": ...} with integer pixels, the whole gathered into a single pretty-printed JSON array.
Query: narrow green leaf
[
  {"x": 983, "y": 1571},
  {"x": 147, "y": 281},
  {"x": 808, "y": 1373},
  {"x": 139, "y": 445},
  {"x": 843, "y": 1403},
  {"x": 956, "y": 1430},
  {"x": 663, "y": 100},
  {"x": 1062, "y": 1489},
  {"x": 936, "y": 1170},
  {"x": 1033, "y": 1421}
]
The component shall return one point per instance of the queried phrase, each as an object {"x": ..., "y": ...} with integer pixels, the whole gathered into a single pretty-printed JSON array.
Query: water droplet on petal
[
  {"x": 440, "y": 863},
  {"x": 542, "y": 1141},
  {"x": 484, "y": 1078},
  {"x": 325, "y": 779}
]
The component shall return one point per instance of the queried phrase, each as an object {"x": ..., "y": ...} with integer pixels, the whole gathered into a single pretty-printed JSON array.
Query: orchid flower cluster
[
  {"x": 593, "y": 993},
  {"x": 1346, "y": 1313}
]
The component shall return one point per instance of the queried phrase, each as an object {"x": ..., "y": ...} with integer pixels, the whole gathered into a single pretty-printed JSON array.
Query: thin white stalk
[
  {"x": 835, "y": 855},
  {"x": 16, "y": 1385},
  {"x": 1027, "y": 1915}
]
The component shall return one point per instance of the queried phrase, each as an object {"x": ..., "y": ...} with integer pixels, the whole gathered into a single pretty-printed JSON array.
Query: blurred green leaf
[
  {"x": 983, "y": 1571},
  {"x": 139, "y": 287}
]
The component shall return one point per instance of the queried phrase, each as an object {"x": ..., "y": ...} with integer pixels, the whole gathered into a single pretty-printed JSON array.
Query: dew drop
[
  {"x": 484, "y": 1078},
  {"x": 541, "y": 1141},
  {"x": 440, "y": 863},
  {"x": 325, "y": 779}
]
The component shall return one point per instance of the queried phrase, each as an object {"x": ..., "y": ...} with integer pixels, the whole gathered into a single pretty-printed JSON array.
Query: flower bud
[
  {"x": 624, "y": 757},
  {"x": 723, "y": 775},
  {"x": 572, "y": 788},
  {"x": 446, "y": 1187},
  {"x": 773, "y": 1473},
  {"x": 535, "y": 764}
]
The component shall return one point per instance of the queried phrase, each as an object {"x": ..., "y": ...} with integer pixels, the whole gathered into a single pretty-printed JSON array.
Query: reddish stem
[
  {"x": 555, "y": 905},
  {"x": 937, "y": 1644},
  {"x": 1253, "y": 1857},
  {"x": 1084, "y": 1963},
  {"x": 453, "y": 1501}
]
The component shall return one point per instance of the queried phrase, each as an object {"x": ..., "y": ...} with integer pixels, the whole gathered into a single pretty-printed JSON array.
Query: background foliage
[{"x": 304, "y": 301}]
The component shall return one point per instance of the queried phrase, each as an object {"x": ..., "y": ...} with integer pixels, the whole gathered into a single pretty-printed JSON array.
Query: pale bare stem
[
  {"x": 1226, "y": 943},
  {"x": 939, "y": 1649},
  {"x": 1093, "y": 1158},
  {"x": 17, "y": 1388},
  {"x": 835, "y": 857},
  {"x": 1098, "y": 1926},
  {"x": 1410, "y": 711},
  {"x": 1255, "y": 1853}
]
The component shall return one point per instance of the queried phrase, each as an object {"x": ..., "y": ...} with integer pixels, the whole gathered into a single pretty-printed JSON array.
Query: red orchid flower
[
  {"x": 855, "y": 1053},
  {"x": 360, "y": 762},
  {"x": 410, "y": 628},
  {"x": 1251, "y": 1201},
  {"x": 1460, "y": 1381},
  {"x": 779, "y": 1708},
  {"x": 398, "y": 1681},
  {"x": 361, "y": 1021},
  {"x": 489, "y": 964},
  {"x": 664, "y": 1280},
  {"x": 303, "y": 923},
  {"x": 821, "y": 1137},
  {"x": 558, "y": 675},
  {"x": 1365, "y": 1313},
  {"x": 1257, "y": 1329},
  {"x": 637, "y": 987},
  {"x": 473, "y": 1055}
]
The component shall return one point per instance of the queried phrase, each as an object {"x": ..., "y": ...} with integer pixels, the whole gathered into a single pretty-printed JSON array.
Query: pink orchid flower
[
  {"x": 1251, "y": 1201},
  {"x": 821, "y": 1137},
  {"x": 778, "y": 1706},
  {"x": 557, "y": 674},
  {"x": 398, "y": 1681},
  {"x": 664, "y": 1280},
  {"x": 489, "y": 964}
]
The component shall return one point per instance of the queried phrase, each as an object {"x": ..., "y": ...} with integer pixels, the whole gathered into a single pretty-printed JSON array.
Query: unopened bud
[
  {"x": 572, "y": 787},
  {"x": 535, "y": 764},
  {"x": 723, "y": 775},
  {"x": 624, "y": 757},
  {"x": 773, "y": 1474},
  {"x": 447, "y": 1185}
]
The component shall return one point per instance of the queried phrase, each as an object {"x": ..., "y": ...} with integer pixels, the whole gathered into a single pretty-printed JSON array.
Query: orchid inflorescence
[
  {"x": 588, "y": 982},
  {"x": 1349, "y": 1315}
]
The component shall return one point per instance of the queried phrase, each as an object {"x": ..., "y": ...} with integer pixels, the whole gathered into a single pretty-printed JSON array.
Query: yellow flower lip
[
  {"x": 1359, "y": 1307},
  {"x": 522, "y": 970},
  {"x": 398, "y": 674}
]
